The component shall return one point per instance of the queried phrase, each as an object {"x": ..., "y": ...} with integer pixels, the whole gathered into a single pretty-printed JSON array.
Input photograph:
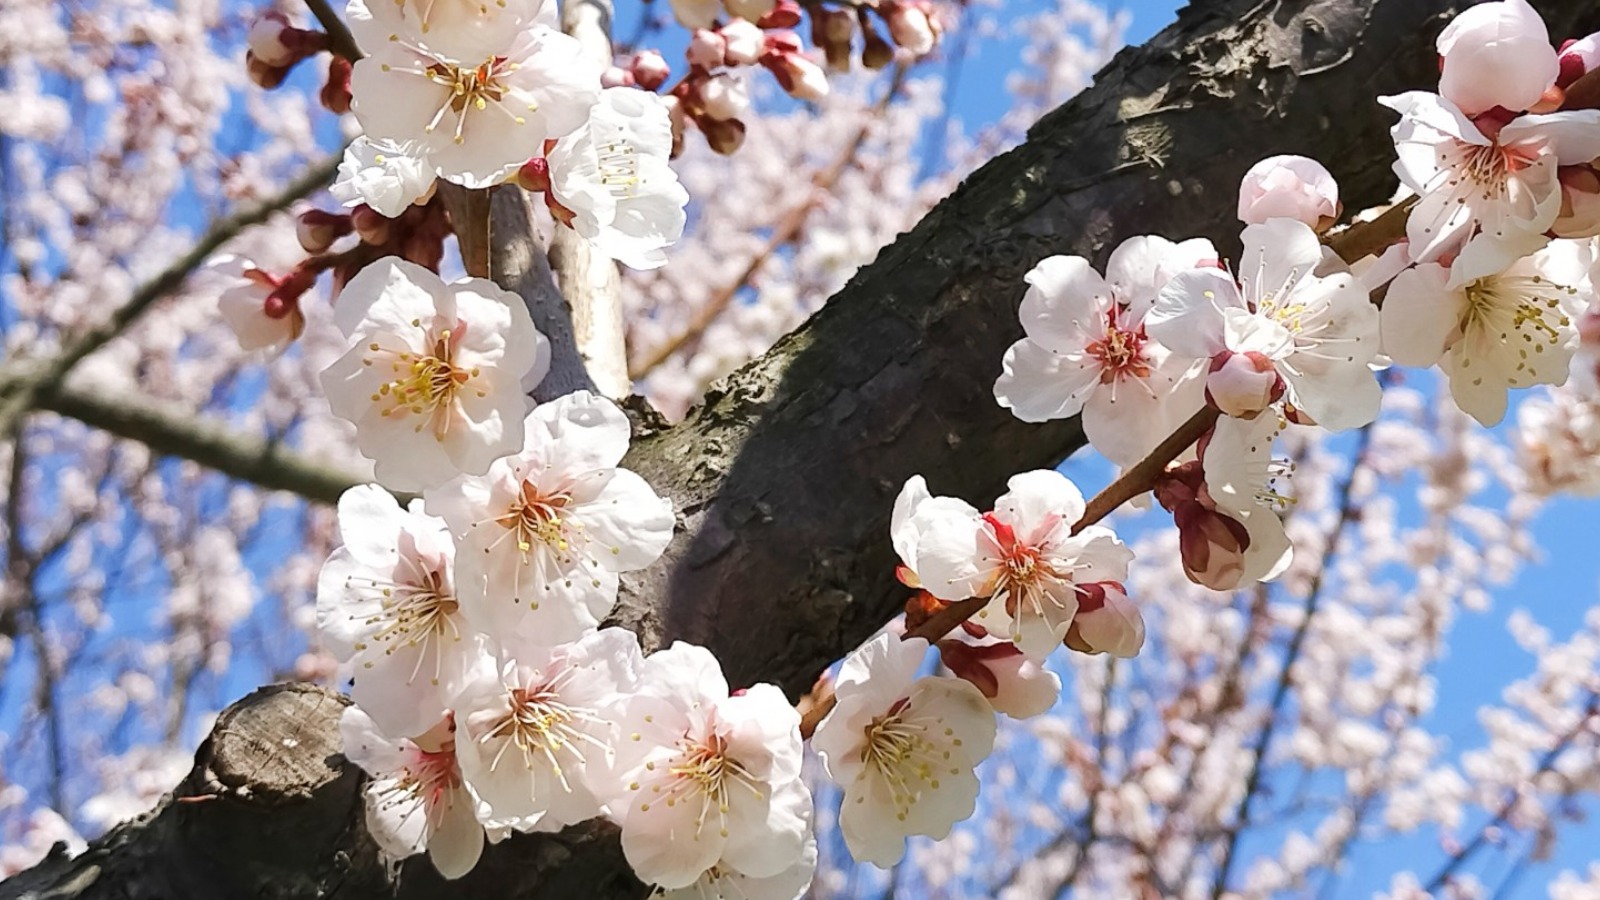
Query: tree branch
[
  {"x": 28, "y": 378},
  {"x": 267, "y": 464}
]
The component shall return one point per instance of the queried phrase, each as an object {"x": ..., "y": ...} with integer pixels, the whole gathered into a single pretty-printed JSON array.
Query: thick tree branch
[{"x": 785, "y": 478}]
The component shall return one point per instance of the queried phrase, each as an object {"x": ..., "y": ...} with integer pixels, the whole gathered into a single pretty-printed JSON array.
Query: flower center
[
  {"x": 538, "y": 724},
  {"x": 618, "y": 162},
  {"x": 1519, "y": 313},
  {"x": 417, "y": 612},
  {"x": 537, "y": 518},
  {"x": 899, "y": 749},
  {"x": 468, "y": 88},
  {"x": 424, "y": 384},
  {"x": 1120, "y": 352},
  {"x": 430, "y": 776},
  {"x": 702, "y": 770}
]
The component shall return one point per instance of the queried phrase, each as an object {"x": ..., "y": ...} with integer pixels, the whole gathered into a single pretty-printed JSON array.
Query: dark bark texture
[{"x": 784, "y": 478}]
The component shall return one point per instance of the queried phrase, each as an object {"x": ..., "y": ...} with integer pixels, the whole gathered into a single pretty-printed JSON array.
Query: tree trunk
[{"x": 784, "y": 478}]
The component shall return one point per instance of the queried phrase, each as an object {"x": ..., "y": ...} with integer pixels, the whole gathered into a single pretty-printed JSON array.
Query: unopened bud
[
  {"x": 1288, "y": 187},
  {"x": 725, "y": 96},
  {"x": 725, "y": 136},
  {"x": 650, "y": 69},
  {"x": 1243, "y": 384},
  {"x": 1212, "y": 546},
  {"x": 912, "y": 24},
  {"x": 1578, "y": 58},
  {"x": 534, "y": 175},
  {"x": 1580, "y": 203},
  {"x": 707, "y": 49},
  {"x": 369, "y": 225},
  {"x": 743, "y": 41},
  {"x": 1106, "y": 622},
  {"x": 268, "y": 42},
  {"x": 317, "y": 229},
  {"x": 801, "y": 77},
  {"x": 335, "y": 95}
]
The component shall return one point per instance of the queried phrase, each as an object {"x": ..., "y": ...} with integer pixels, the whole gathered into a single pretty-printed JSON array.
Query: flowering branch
[{"x": 21, "y": 389}]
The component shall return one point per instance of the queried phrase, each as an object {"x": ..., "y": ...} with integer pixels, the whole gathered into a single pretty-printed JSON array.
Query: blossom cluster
[{"x": 488, "y": 699}]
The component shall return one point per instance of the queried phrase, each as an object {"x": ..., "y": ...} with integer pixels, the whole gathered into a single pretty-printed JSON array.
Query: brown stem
[
  {"x": 340, "y": 41},
  {"x": 1364, "y": 239}
]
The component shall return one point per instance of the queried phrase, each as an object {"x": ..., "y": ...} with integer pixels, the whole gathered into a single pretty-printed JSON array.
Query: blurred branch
[
  {"x": 1280, "y": 691},
  {"x": 27, "y": 379},
  {"x": 788, "y": 230},
  {"x": 20, "y": 570},
  {"x": 267, "y": 464},
  {"x": 340, "y": 40},
  {"x": 1547, "y": 763}
]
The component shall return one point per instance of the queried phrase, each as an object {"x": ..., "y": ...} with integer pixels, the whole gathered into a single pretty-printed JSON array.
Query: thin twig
[
  {"x": 20, "y": 391},
  {"x": 786, "y": 232},
  {"x": 1364, "y": 239},
  {"x": 1546, "y": 764},
  {"x": 340, "y": 40}
]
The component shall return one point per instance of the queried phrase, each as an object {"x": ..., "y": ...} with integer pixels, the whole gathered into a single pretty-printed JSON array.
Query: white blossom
[
  {"x": 543, "y": 535},
  {"x": 433, "y": 375},
  {"x": 416, "y": 799},
  {"x": 612, "y": 173},
  {"x": 1496, "y": 55},
  {"x": 704, "y": 778},
  {"x": 1488, "y": 198},
  {"x": 387, "y": 176},
  {"x": 529, "y": 730},
  {"x": 1320, "y": 332},
  {"x": 1023, "y": 556},
  {"x": 903, "y": 748},
  {"x": 386, "y": 607},
  {"x": 1509, "y": 329},
  {"x": 1086, "y": 349},
  {"x": 479, "y": 94}
]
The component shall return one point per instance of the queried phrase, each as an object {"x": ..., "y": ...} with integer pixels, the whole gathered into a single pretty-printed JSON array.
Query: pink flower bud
[
  {"x": 1496, "y": 54},
  {"x": 801, "y": 77},
  {"x": 369, "y": 225},
  {"x": 1578, "y": 58},
  {"x": 650, "y": 70},
  {"x": 1580, "y": 202},
  {"x": 616, "y": 76},
  {"x": 725, "y": 136},
  {"x": 912, "y": 24},
  {"x": 1242, "y": 384},
  {"x": 725, "y": 96},
  {"x": 1212, "y": 546},
  {"x": 784, "y": 14},
  {"x": 268, "y": 40},
  {"x": 317, "y": 229},
  {"x": 744, "y": 42},
  {"x": 1289, "y": 187},
  {"x": 1107, "y": 622},
  {"x": 335, "y": 95},
  {"x": 750, "y": 10},
  {"x": 707, "y": 49},
  {"x": 534, "y": 175}
]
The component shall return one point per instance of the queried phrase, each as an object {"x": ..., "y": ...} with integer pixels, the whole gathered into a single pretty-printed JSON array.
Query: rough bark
[{"x": 784, "y": 478}]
